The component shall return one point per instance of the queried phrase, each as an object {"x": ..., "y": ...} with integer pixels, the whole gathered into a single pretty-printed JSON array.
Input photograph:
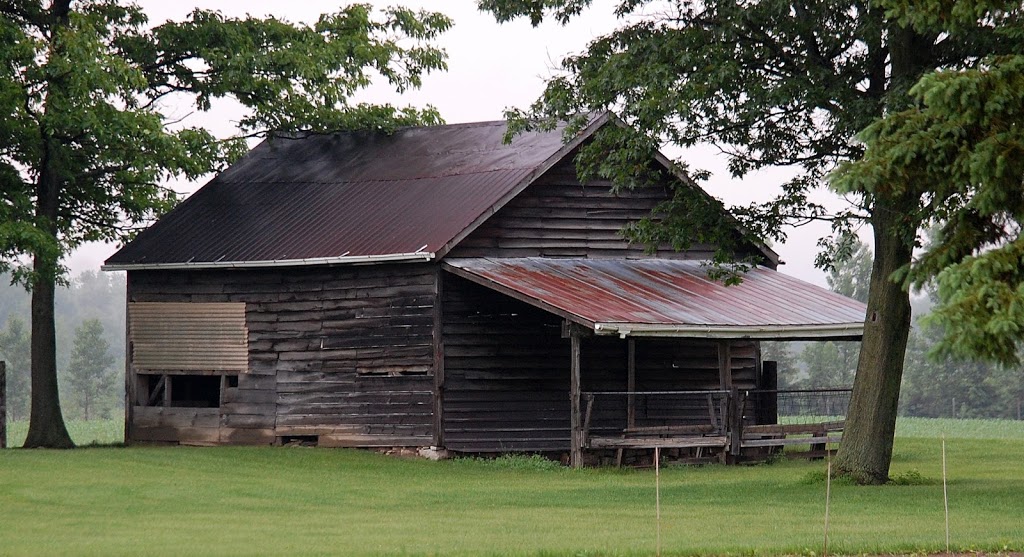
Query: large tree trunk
[
  {"x": 46, "y": 423},
  {"x": 866, "y": 450}
]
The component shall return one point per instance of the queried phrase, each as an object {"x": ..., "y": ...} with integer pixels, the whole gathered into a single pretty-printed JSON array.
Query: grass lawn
[{"x": 244, "y": 501}]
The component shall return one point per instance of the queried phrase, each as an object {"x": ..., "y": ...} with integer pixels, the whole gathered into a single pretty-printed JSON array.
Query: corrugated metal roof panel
[
  {"x": 660, "y": 297},
  {"x": 346, "y": 194}
]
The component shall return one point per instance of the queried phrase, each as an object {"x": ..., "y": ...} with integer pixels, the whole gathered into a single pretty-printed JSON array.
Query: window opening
[{"x": 195, "y": 391}]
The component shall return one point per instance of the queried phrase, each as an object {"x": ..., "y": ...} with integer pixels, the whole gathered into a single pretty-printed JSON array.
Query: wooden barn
[{"x": 439, "y": 288}]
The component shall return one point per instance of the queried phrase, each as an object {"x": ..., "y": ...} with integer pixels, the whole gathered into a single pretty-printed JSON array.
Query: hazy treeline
[
  {"x": 934, "y": 386},
  {"x": 90, "y": 321}
]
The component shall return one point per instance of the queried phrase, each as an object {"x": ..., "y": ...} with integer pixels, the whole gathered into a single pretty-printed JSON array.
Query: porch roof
[{"x": 664, "y": 297}]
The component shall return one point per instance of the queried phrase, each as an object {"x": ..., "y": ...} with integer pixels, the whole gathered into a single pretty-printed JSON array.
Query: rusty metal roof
[
  {"x": 660, "y": 297},
  {"x": 347, "y": 197}
]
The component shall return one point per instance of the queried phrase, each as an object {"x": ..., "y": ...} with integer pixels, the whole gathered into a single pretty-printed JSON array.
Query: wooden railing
[{"x": 727, "y": 420}]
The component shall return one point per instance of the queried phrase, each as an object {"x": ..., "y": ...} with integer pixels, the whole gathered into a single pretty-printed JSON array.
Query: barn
[{"x": 437, "y": 287}]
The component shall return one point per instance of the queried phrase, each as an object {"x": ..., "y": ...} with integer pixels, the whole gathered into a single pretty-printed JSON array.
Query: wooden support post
[
  {"x": 631, "y": 382},
  {"x": 3, "y": 405},
  {"x": 735, "y": 426},
  {"x": 586, "y": 419},
  {"x": 576, "y": 441},
  {"x": 724, "y": 365},
  {"x": 731, "y": 405}
]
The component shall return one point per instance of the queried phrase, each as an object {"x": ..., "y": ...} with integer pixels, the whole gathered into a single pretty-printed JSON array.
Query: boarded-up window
[{"x": 188, "y": 336}]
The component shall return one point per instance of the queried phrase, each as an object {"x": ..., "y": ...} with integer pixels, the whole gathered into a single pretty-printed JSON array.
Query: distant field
[
  {"x": 92, "y": 432},
  {"x": 960, "y": 429},
  {"x": 105, "y": 432},
  {"x": 288, "y": 500}
]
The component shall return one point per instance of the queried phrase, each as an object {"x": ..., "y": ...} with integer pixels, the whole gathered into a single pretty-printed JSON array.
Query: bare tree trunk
[{"x": 866, "y": 450}]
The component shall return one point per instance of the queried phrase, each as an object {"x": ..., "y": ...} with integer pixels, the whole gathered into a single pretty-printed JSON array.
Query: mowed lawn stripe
[{"x": 278, "y": 501}]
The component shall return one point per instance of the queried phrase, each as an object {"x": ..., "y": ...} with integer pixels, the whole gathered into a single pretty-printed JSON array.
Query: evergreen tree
[
  {"x": 15, "y": 351},
  {"x": 90, "y": 371}
]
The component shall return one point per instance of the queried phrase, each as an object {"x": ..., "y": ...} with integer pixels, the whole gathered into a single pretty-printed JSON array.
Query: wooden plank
[
  {"x": 671, "y": 430},
  {"x": 791, "y": 429},
  {"x": 177, "y": 417},
  {"x": 660, "y": 442},
  {"x": 246, "y": 436},
  {"x": 352, "y": 440},
  {"x": 576, "y": 450},
  {"x": 784, "y": 441}
]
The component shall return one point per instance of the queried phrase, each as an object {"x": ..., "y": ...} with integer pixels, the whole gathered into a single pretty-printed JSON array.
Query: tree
[
  {"x": 89, "y": 130},
  {"x": 771, "y": 83},
  {"x": 14, "y": 349},
  {"x": 962, "y": 136},
  {"x": 91, "y": 366}
]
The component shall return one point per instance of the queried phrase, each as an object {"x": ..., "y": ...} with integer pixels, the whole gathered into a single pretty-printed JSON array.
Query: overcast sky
[{"x": 491, "y": 67}]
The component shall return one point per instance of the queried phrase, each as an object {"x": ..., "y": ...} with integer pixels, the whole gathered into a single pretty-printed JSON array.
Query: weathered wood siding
[
  {"x": 556, "y": 216},
  {"x": 342, "y": 354},
  {"x": 507, "y": 374}
]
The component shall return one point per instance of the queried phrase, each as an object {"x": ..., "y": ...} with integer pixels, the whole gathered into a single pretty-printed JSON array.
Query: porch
[{"x": 658, "y": 355}]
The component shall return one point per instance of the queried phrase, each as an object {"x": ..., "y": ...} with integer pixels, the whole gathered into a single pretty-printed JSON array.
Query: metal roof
[
  {"x": 353, "y": 197},
  {"x": 347, "y": 197},
  {"x": 661, "y": 297}
]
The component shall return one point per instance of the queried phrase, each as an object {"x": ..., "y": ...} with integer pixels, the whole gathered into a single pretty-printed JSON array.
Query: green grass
[
  {"x": 278, "y": 501},
  {"x": 92, "y": 432},
  {"x": 959, "y": 429}
]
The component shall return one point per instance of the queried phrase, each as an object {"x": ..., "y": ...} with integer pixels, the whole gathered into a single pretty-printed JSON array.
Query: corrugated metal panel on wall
[{"x": 189, "y": 336}]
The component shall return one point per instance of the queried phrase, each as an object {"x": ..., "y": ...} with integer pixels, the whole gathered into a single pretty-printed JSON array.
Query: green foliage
[
  {"x": 960, "y": 148},
  {"x": 89, "y": 132},
  {"x": 15, "y": 350},
  {"x": 91, "y": 370},
  {"x": 87, "y": 100},
  {"x": 912, "y": 477},
  {"x": 829, "y": 364},
  {"x": 937, "y": 385},
  {"x": 533, "y": 462}
]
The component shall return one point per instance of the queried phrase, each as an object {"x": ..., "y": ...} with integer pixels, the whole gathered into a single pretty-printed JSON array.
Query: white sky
[{"x": 491, "y": 67}]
